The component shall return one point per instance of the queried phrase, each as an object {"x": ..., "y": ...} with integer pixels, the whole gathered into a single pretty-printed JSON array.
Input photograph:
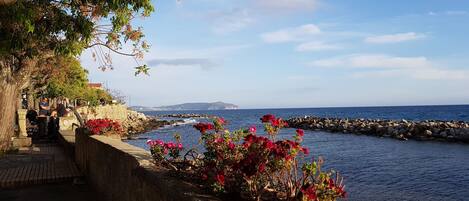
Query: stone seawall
[
  {"x": 115, "y": 112},
  {"x": 122, "y": 172},
  {"x": 132, "y": 122},
  {"x": 452, "y": 131}
]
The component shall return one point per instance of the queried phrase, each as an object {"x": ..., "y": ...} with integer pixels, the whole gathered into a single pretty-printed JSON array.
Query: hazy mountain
[{"x": 189, "y": 106}]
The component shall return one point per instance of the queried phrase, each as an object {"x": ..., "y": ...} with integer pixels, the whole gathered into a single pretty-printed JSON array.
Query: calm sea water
[{"x": 374, "y": 168}]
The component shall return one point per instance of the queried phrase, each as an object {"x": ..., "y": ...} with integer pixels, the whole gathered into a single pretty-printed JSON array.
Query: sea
[{"x": 373, "y": 168}]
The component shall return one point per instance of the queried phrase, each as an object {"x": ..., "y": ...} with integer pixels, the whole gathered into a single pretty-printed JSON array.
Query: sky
[{"x": 298, "y": 53}]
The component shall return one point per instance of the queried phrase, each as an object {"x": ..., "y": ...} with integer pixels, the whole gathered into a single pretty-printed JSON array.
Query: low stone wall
[
  {"x": 115, "y": 112},
  {"x": 451, "y": 131},
  {"x": 122, "y": 172}
]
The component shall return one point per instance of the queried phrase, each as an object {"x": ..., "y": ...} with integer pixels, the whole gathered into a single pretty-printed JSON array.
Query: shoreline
[{"x": 138, "y": 123}]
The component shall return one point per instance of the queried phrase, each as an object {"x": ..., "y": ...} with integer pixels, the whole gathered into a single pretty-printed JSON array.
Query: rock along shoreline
[
  {"x": 137, "y": 123},
  {"x": 449, "y": 131}
]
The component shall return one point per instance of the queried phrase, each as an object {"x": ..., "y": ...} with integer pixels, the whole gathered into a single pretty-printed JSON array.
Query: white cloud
[
  {"x": 419, "y": 74},
  {"x": 316, "y": 46},
  {"x": 394, "y": 38},
  {"x": 372, "y": 61},
  {"x": 231, "y": 21},
  {"x": 449, "y": 12},
  {"x": 288, "y": 4},
  {"x": 291, "y": 34},
  {"x": 384, "y": 61},
  {"x": 205, "y": 64},
  {"x": 378, "y": 65},
  {"x": 456, "y": 12},
  {"x": 216, "y": 52}
]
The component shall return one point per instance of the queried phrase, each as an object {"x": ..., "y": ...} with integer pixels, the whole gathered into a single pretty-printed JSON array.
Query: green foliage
[
  {"x": 69, "y": 79},
  {"x": 94, "y": 96},
  {"x": 141, "y": 69},
  {"x": 64, "y": 27}
]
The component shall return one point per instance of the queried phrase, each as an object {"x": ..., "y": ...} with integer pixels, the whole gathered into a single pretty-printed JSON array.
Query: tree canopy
[
  {"x": 67, "y": 27},
  {"x": 35, "y": 30},
  {"x": 69, "y": 79}
]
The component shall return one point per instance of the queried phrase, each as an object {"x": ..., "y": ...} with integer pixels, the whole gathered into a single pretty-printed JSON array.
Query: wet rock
[{"x": 400, "y": 129}]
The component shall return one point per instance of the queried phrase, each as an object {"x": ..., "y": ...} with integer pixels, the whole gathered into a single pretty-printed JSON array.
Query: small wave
[{"x": 184, "y": 122}]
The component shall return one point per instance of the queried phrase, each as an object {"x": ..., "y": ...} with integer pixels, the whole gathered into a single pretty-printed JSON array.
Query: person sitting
[
  {"x": 44, "y": 108},
  {"x": 61, "y": 109},
  {"x": 53, "y": 125}
]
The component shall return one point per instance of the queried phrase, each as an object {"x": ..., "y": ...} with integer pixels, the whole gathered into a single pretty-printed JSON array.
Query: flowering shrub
[
  {"x": 259, "y": 167},
  {"x": 273, "y": 125},
  {"x": 104, "y": 127},
  {"x": 160, "y": 150},
  {"x": 255, "y": 166}
]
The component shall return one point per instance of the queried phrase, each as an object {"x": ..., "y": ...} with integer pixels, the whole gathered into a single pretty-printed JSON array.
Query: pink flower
[
  {"x": 221, "y": 121},
  {"x": 159, "y": 142},
  {"x": 180, "y": 147},
  {"x": 170, "y": 145},
  {"x": 219, "y": 140},
  {"x": 252, "y": 129}
]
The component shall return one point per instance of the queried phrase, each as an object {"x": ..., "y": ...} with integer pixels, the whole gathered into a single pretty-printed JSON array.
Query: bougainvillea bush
[
  {"x": 258, "y": 167},
  {"x": 161, "y": 150},
  {"x": 104, "y": 127}
]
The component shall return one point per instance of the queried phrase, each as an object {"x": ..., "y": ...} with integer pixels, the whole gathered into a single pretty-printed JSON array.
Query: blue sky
[{"x": 299, "y": 53}]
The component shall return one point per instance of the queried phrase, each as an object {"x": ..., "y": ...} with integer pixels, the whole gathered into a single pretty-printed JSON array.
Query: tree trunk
[
  {"x": 8, "y": 102},
  {"x": 14, "y": 74}
]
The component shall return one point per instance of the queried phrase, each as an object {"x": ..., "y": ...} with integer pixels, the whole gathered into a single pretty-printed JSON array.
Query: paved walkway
[
  {"x": 42, "y": 172},
  {"x": 39, "y": 164}
]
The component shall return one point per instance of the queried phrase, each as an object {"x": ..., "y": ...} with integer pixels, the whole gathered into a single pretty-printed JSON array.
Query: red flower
[
  {"x": 300, "y": 132},
  {"x": 220, "y": 178},
  {"x": 202, "y": 127},
  {"x": 269, "y": 145},
  {"x": 261, "y": 167},
  {"x": 331, "y": 183},
  {"x": 267, "y": 118},
  {"x": 231, "y": 145},
  {"x": 305, "y": 150},
  {"x": 309, "y": 192},
  {"x": 276, "y": 122}
]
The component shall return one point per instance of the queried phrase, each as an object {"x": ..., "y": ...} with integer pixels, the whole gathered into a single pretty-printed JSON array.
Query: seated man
[{"x": 44, "y": 108}]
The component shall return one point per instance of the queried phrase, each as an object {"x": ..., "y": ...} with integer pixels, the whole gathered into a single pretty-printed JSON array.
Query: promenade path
[{"x": 43, "y": 171}]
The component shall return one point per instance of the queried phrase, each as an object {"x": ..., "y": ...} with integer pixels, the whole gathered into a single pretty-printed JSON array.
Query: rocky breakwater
[
  {"x": 451, "y": 131},
  {"x": 137, "y": 123},
  {"x": 186, "y": 116}
]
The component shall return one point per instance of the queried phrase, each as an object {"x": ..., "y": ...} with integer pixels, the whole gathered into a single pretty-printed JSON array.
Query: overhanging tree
[{"x": 34, "y": 30}]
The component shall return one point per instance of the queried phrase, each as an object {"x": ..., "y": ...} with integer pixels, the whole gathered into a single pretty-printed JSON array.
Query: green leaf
[{"x": 142, "y": 69}]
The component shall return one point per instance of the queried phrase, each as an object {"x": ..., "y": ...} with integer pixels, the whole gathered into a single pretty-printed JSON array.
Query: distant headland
[{"x": 189, "y": 106}]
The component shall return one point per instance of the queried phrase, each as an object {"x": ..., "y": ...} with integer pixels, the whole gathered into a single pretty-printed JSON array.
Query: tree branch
[{"x": 110, "y": 48}]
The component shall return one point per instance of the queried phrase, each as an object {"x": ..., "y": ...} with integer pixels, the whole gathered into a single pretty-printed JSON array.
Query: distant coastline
[
  {"x": 189, "y": 106},
  {"x": 338, "y": 107}
]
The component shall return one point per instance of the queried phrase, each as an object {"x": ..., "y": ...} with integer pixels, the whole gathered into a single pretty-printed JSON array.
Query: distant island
[{"x": 189, "y": 106}]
